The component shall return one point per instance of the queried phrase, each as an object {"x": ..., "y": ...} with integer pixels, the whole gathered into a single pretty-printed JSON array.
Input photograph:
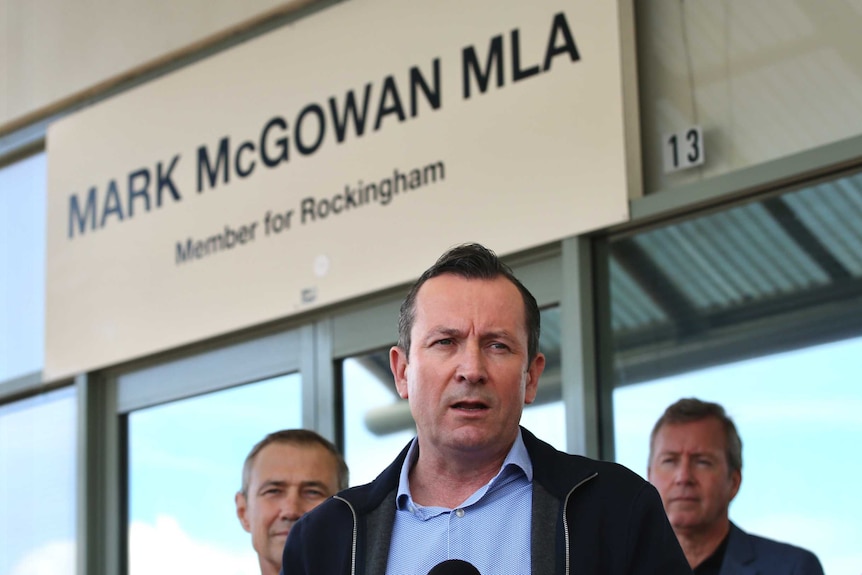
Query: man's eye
[
  {"x": 314, "y": 493},
  {"x": 500, "y": 346},
  {"x": 444, "y": 341}
]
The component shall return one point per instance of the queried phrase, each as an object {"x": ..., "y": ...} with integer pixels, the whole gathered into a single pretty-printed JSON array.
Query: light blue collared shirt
[{"x": 491, "y": 529}]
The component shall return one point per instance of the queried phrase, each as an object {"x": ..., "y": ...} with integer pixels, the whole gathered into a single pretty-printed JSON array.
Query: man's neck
[
  {"x": 267, "y": 568},
  {"x": 699, "y": 544},
  {"x": 443, "y": 481}
]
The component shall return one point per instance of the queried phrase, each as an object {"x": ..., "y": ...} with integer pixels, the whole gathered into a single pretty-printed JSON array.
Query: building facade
[{"x": 210, "y": 215}]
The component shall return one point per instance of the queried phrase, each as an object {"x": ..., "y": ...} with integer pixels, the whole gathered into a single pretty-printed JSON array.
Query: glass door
[{"x": 190, "y": 424}]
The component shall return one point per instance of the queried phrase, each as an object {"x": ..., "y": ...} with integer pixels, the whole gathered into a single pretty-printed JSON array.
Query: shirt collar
[{"x": 517, "y": 458}]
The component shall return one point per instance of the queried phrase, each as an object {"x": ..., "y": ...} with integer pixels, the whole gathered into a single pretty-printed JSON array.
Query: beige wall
[
  {"x": 55, "y": 49},
  {"x": 764, "y": 79}
]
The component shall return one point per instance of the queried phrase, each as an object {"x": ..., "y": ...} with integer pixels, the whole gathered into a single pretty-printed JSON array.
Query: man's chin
[
  {"x": 685, "y": 521},
  {"x": 276, "y": 547},
  {"x": 277, "y": 542}
]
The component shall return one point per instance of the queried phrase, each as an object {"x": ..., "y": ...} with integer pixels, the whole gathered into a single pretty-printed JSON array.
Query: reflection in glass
[
  {"x": 759, "y": 308},
  {"x": 762, "y": 277},
  {"x": 797, "y": 413},
  {"x": 22, "y": 267},
  {"x": 546, "y": 417},
  {"x": 378, "y": 424},
  {"x": 185, "y": 465},
  {"x": 38, "y": 484}
]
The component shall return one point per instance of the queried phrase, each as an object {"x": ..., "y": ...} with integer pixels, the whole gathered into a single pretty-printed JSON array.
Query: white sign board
[{"x": 328, "y": 159}]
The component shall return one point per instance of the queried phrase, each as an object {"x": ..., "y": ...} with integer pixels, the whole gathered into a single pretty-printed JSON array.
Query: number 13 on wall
[{"x": 683, "y": 149}]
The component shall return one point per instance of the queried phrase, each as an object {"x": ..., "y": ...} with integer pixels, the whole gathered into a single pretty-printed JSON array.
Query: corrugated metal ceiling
[{"x": 750, "y": 264}]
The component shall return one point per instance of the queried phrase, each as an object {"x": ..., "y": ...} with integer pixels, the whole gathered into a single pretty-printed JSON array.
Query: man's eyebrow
[
  {"x": 711, "y": 454},
  {"x": 500, "y": 334},
  {"x": 303, "y": 483},
  {"x": 692, "y": 454},
  {"x": 314, "y": 483},
  {"x": 443, "y": 330},
  {"x": 453, "y": 331},
  {"x": 271, "y": 483}
]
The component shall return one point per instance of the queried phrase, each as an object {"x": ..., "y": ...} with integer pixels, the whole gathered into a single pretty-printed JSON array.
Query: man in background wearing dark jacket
[{"x": 696, "y": 463}]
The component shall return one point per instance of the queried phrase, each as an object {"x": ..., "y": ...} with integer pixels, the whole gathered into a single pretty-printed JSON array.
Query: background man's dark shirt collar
[{"x": 712, "y": 564}]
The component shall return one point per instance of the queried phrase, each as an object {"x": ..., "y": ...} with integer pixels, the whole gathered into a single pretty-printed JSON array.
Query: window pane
[
  {"x": 790, "y": 429},
  {"x": 185, "y": 465},
  {"x": 22, "y": 267},
  {"x": 546, "y": 417},
  {"x": 38, "y": 484},
  {"x": 378, "y": 424},
  {"x": 759, "y": 308}
]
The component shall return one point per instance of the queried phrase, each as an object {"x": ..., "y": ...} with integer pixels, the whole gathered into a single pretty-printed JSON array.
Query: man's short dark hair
[
  {"x": 470, "y": 261},
  {"x": 299, "y": 437},
  {"x": 690, "y": 409}
]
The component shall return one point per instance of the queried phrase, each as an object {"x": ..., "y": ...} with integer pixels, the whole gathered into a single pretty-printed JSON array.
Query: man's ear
[
  {"x": 735, "y": 482},
  {"x": 241, "y": 509},
  {"x": 534, "y": 371},
  {"x": 398, "y": 365}
]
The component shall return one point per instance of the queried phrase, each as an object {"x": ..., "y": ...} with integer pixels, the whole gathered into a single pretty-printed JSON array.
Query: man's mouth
[
  {"x": 283, "y": 529},
  {"x": 470, "y": 405}
]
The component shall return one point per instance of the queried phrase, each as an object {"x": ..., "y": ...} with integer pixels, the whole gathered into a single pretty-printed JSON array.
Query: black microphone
[{"x": 454, "y": 567}]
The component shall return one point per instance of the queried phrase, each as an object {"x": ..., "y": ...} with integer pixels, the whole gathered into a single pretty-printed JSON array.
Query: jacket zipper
[
  {"x": 355, "y": 534},
  {"x": 566, "y": 521},
  {"x": 565, "y": 525}
]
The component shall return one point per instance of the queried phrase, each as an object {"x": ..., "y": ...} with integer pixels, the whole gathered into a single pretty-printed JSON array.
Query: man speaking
[{"x": 474, "y": 485}]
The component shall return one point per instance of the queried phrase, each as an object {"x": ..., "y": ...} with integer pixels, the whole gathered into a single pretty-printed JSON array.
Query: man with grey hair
[
  {"x": 695, "y": 462},
  {"x": 287, "y": 474}
]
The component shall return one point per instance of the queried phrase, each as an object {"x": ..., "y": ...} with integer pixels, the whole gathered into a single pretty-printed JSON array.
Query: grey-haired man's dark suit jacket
[{"x": 751, "y": 555}]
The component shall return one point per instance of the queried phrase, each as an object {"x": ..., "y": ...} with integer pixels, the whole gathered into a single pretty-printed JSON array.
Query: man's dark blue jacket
[{"x": 589, "y": 518}]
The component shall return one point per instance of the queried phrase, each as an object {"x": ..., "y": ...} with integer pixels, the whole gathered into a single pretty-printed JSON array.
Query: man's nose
[
  {"x": 291, "y": 506},
  {"x": 683, "y": 473},
  {"x": 471, "y": 365}
]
